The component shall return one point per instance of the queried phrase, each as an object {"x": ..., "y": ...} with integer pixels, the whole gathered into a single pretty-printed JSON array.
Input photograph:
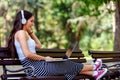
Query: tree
[
  {"x": 57, "y": 20},
  {"x": 117, "y": 27}
]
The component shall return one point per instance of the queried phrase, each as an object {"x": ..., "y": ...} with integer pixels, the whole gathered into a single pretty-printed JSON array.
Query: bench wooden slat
[
  {"x": 16, "y": 76},
  {"x": 78, "y": 77},
  {"x": 44, "y": 78},
  {"x": 55, "y": 51},
  {"x": 109, "y": 60},
  {"x": 93, "y": 51},
  {"x": 4, "y": 55},
  {"x": 106, "y": 56},
  {"x": 60, "y": 54},
  {"x": 10, "y": 62}
]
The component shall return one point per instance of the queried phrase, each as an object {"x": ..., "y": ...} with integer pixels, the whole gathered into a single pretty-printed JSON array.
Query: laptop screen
[{"x": 70, "y": 50}]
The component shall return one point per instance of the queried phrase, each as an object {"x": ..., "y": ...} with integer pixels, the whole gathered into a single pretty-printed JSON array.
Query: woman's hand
[
  {"x": 30, "y": 31},
  {"x": 34, "y": 37},
  {"x": 48, "y": 58}
]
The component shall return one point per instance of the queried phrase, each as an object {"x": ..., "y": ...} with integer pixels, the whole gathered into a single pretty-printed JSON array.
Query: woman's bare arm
[
  {"x": 22, "y": 38},
  {"x": 34, "y": 37}
]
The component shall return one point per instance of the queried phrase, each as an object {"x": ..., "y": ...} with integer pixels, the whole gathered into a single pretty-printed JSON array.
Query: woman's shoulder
[{"x": 21, "y": 34}]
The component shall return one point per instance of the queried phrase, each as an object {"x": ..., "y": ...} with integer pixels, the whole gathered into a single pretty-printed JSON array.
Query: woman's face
[{"x": 30, "y": 22}]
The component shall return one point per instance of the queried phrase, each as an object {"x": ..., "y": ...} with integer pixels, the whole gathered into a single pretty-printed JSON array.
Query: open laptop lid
[
  {"x": 70, "y": 50},
  {"x": 67, "y": 54}
]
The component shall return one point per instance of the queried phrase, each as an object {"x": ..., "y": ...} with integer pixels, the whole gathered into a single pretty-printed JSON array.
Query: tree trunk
[
  {"x": 117, "y": 27},
  {"x": 36, "y": 16}
]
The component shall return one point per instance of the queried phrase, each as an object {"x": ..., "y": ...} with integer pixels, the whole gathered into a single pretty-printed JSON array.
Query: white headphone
[{"x": 23, "y": 18}]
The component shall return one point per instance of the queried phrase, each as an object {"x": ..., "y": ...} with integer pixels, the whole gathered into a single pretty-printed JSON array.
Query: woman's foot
[
  {"x": 100, "y": 73},
  {"x": 98, "y": 64}
]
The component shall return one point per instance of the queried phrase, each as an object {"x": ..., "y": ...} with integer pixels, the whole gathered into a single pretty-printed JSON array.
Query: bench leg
[
  {"x": 92, "y": 79},
  {"x": 3, "y": 77}
]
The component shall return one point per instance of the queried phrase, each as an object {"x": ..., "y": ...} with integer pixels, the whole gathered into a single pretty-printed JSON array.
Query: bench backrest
[
  {"x": 106, "y": 56},
  {"x": 5, "y": 58},
  {"x": 76, "y": 56}
]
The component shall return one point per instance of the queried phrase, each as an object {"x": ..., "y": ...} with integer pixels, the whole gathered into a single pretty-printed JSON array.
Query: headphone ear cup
[
  {"x": 23, "y": 18},
  {"x": 23, "y": 21}
]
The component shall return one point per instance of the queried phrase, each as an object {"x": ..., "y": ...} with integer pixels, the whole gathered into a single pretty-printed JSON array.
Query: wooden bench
[
  {"x": 6, "y": 60},
  {"x": 111, "y": 60}
]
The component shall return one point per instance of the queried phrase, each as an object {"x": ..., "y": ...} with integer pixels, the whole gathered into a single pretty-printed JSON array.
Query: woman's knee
[{"x": 87, "y": 68}]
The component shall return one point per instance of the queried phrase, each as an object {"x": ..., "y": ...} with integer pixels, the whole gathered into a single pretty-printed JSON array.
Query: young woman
[{"x": 23, "y": 41}]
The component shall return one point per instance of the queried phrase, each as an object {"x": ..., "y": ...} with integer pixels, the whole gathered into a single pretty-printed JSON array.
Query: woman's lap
[{"x": 43, "y": 68}]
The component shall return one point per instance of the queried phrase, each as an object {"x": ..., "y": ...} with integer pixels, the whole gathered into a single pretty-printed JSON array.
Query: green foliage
[{"x": 91, "y": 18}]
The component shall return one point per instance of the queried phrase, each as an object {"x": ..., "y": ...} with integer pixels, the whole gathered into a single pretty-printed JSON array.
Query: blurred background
[{"x": 59, "y": 23}]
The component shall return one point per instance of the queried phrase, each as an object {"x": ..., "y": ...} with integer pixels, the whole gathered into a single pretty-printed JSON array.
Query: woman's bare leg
[
  {"x": 87, "y": 69},
  {"x": 87, "y": 73}
]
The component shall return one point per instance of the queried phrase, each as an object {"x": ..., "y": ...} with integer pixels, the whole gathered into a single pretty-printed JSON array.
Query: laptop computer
[{"x": 66, "y": 56}]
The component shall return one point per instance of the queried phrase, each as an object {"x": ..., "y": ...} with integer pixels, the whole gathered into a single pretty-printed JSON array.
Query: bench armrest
[
  {"x": 116, "y": 67},
  {"x": 26, "y": 69}
]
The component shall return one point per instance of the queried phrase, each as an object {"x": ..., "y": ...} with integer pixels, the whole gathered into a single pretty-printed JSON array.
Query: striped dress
[{"x": 42, "y": 68}]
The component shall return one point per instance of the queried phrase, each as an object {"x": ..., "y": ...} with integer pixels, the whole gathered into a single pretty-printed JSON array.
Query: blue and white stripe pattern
[{"x": 68, "y": 68}]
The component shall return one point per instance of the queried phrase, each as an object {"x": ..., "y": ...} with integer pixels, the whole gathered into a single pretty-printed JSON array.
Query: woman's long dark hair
[{"x": 16, "y": 27}]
